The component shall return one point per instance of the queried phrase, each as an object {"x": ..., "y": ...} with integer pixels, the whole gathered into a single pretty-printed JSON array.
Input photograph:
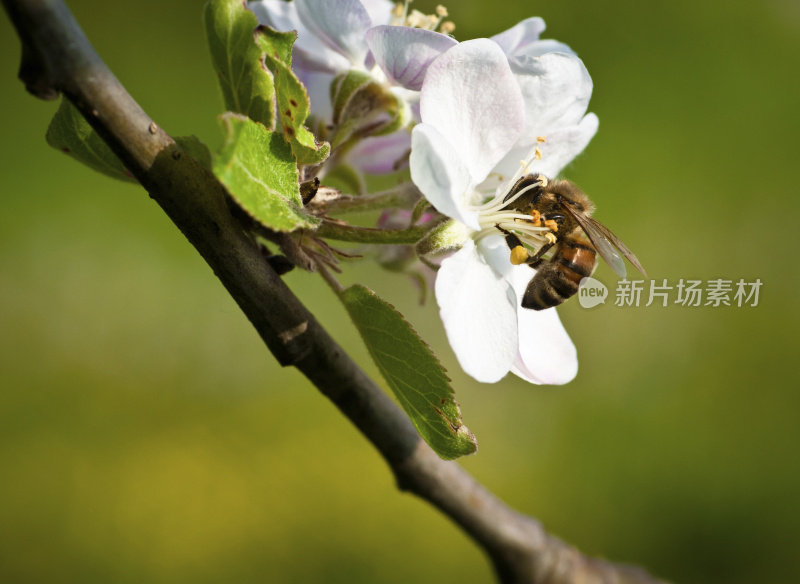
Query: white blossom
[
  {"x": 485, "y": 106},
  {"x": 337, "y": 36}
]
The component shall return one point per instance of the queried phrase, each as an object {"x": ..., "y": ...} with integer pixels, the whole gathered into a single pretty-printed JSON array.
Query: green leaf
[
  {"x": 259, "y": 171},
  {"x": 412, "y": 371},
  {"x": 276, "y": 45},
  {"x": 247, "y": 86},
  {"x": 71, "y": 133},
  {"x": 292, "y": 98}
]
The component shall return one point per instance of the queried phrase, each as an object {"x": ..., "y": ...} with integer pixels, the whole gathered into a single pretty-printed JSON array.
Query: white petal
[
  {"x": 494, "y": 250},
  {"x": 438, "y": 172},
  {"x": 479, "y": 316},
  {"x": 404, "y": 53},
  {"x": 309, "y": 53},
  {"x": 556, "y": 88},
  {"x": 561, "y": 148},
  {"x": 519, "y": 36},
  {"x": 523, "y": 40},
  {"x": 564, "y": 145},
  {"x": 545, "y": 46},
  {"x": 340, "y": 24},
  {"x": 381, "y": 154},
  {"x": 546, "y": 353},
  {"x": 380, "y": 11},
  {"x": 471, "y": 96}
]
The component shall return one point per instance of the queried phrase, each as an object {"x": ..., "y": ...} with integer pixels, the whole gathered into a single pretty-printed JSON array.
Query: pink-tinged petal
[
  {"x": 404, "y": 53},
  {"x": 309, "y": 53},
  {"x": 380, "y": 11},
  {"x": 340, "y": 24},
  {"x": 381, "y": 154},
  {"x": 478, "y": 314},
  {"x": 471, "y": 96},
  {"x": 546, "y": 353},
  {"x": 278, "y": 14},
  {"x": 556, "y": 88},
  {"x": 437, "y": 170},
  {"x": 313, "y": 56},
  {"x": 519, "y": 36}
]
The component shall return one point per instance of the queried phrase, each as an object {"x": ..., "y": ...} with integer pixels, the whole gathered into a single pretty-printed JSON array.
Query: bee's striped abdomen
[{"x": 558, "y": 279}]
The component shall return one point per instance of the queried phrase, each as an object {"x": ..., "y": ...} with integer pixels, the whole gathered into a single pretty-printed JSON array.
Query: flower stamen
[
  {"x": 498, "y": 213},
  {"x": 416, "y": 19}
]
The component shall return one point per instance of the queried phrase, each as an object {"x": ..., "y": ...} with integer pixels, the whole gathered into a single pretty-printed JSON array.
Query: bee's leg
[
  {"x": 512, "y": 240},
  {"x": 519, "y": 253},
  {"x": 536, "y": 259}
]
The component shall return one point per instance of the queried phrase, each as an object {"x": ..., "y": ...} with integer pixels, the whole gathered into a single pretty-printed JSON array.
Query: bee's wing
[
  {"x": 606, "y": 232},
  {"x": 605, "y": 241}
]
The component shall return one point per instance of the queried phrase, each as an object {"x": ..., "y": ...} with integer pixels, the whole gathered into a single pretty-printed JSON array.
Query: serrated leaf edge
[{"x": 462, "y": 431}]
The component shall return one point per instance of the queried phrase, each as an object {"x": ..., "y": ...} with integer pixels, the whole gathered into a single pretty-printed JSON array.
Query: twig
[{"x": 57, "y": 57}]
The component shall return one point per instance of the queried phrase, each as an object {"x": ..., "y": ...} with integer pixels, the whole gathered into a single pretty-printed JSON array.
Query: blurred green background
[{"x": 146, "y": 434}]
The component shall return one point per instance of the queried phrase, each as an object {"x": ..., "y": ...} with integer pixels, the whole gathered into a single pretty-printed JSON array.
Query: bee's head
[
  {"x": 567, "y": 190},
  {"x": 529, "y": 188}
]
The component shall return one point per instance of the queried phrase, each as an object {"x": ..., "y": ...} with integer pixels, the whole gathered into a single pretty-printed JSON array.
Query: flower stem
[
  {"x": 404, "y": 196},
  {"x": 343, "y": 232},
  {"x": 330, "y": 279}
]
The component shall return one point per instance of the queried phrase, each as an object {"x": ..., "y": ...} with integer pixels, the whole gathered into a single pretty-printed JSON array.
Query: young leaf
[
  {"x": 412, "y": 371},
  {"x": 247, "y": 86},
  {"x": 259, "y": 171},
  {"x": 292, "y": 98},
  {"x": 71, "y": 133},
  {"x": 362, "y": 107}
]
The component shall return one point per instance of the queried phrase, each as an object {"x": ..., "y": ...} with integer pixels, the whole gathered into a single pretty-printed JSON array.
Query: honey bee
[{"x": 577, "y": 238}]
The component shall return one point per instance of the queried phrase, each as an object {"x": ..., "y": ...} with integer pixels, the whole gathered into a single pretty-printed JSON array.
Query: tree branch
[{"x": 57, "y": 57}]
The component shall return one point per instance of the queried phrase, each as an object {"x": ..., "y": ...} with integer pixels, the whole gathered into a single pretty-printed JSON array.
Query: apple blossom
[
  {"x": 336, "y": 37},
  {"x": 486, "y": 105}
]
